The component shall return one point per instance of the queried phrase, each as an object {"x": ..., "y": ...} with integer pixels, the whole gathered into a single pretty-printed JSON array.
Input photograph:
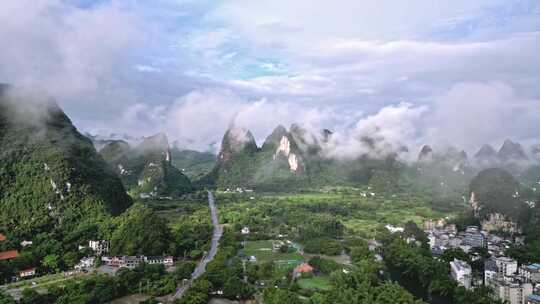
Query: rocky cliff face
[
  {"x": 287, "y": 149},
  {"x": 495, "y": 197}
]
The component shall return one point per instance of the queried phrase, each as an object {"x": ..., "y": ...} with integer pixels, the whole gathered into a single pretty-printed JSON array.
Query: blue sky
[{"x": 422, "y": 71}]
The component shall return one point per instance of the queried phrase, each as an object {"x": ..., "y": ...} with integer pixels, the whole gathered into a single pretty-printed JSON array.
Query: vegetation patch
[{"x": 315, "y": 283}]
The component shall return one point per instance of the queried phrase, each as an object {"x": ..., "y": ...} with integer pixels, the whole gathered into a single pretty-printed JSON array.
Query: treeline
[
  {"x": 148, "y": 279},
  {"x": 415, "y": 269},
  {"x": 138, "y": 231},
  {"x": 224, "y": 273},
  {"x": 363, "y": 282}
]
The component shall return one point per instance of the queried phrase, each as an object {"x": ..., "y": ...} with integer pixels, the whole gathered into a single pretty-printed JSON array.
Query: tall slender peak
[
  {"x": 486, "y": 151},
  {"x": 326, "y": 135},
  {"x": 426, "y": 153},
  {"x": 272, "y": 141},
  {"x": 306, "y": 141},
  {"x": 236, "y": 141},
  {"x": 511, "y": 151}
]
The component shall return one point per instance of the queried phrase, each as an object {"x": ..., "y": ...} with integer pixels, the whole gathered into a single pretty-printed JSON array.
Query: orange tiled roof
[
  {"x": 304, "y": 268},
  {"x": 2, "y": 237},
  {"x": 8, "y": 255}
]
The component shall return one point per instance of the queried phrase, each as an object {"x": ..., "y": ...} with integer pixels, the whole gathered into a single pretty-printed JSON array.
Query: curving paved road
[{"x": 200, "y": 269}]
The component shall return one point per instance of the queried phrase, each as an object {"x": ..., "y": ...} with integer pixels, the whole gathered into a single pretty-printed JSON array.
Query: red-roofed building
[
  {"x": 8, "y": 255},
  {"x": 302, "y": 268},
  {"x": 2, "y": 237}
]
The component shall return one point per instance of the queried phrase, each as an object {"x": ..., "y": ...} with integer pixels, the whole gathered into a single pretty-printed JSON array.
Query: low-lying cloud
[
  {"x": 465, "y": 116},
  {"x": 190, "y": 69}
]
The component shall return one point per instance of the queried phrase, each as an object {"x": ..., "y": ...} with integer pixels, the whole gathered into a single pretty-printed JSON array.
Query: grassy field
[
  {"x": 361, "y": 211},
  {"x": 45, "y": 280},
  {"x": 262, "y": 250},
  {"x": 315, "y": 283}
]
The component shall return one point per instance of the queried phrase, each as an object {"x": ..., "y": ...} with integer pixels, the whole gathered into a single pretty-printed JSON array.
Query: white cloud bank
[
  {"x": 66, "y": 50},
  {"x": 356, "y": 67}
]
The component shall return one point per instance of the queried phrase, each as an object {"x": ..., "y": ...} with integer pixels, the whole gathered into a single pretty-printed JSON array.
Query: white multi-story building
[
  {"x": 506, "y": 266},
  {"x": 514, "y": 292},
  {"x": 531, "y": 273},
  {"x": 134, "y": 261},
  {"x": 461, "y": 273},
  {"x": 99, "y": 247},
  {"x": 491, "y": 272}
]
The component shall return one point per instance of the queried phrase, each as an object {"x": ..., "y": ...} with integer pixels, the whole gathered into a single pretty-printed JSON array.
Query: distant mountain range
[
  {"x": 146, "y": 169},
  {"x": 287, "y": 159}
]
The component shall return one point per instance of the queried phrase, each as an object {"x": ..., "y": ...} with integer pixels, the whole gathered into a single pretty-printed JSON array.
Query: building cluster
[
  {"x": 510, "y": 282},
  {"x": 238, "y": 190},
  {"x": 134, "y": 261},
  {"x": 101, "y": 247},
  {"x": 444, "y": 236},
  {"x": 13, "y": 254}
]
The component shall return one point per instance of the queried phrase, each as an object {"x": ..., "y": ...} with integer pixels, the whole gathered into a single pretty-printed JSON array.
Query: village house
[
  {"x": 8, "y": 255},
  {"x": 30, "y": 272},
  {"x": 245, "y": 230},
  {"x": 303, "y": 268},
  {"x": 85, "y": 263}
]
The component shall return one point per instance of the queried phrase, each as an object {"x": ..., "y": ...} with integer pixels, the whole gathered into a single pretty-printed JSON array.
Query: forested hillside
[{"x": 51, "y": 176}]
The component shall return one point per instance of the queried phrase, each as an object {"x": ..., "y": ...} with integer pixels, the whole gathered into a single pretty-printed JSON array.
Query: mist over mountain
[
  {"x": 51, "y": 175},
  {"x": 146, "y": 169}
]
